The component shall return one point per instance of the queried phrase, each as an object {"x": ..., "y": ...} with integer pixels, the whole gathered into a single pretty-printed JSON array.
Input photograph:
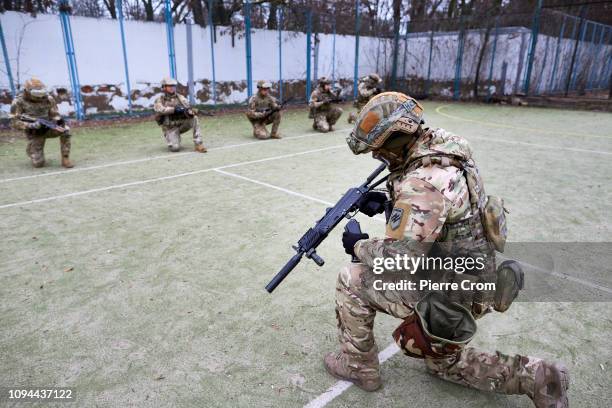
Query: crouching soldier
[
  {"x": 368, "y": 87},
  {"x": 438, "y": 196},
  {"x": 175, "y": 117},
  {"x": 264, "y": 110},
  {"x": 35, "y": 112},
  {"x": 323, "y": 110}
]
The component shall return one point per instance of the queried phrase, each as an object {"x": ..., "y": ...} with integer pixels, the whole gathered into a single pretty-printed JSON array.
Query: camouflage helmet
[
  {"x": 35, "y": 88},
  {"x": 383, "y": 115},
  {"x": 375, "y": 78},
  {"x": 324, "y": 81},
  {"x": 167, "y": 81},
  {"x": 263, "y": 84}
]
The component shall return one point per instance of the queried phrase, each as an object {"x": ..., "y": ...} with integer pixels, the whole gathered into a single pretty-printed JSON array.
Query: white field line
[
  {"x": 163, "y": 156},
  {"x": 141, "y": 182},
  {"x": 339, "y": 387},
  {"x": 548, "y": 147}
]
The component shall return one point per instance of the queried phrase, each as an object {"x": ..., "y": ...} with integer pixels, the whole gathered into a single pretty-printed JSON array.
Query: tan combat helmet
[
  {"x": 324, "y": 81},
  {"x": 167, "y": 81},
  {"x": 263, "y": 84},
  {"x": 383, "y": 115},
  {"x": 375, "y": 78},
  {"x": 34, "y": 88}
]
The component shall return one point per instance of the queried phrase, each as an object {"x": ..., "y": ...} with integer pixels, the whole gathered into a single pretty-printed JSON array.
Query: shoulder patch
[{"x": 396, "y": 218}]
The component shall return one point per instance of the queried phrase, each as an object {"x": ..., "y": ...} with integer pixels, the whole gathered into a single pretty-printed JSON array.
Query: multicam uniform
[
  {"x": 259, "y": 118},
  {"x": 368, "y": 87},
  {"x": 45, "y": 108},
  {"x": 437, "y": 196},
  {"x": 174, "y": 124},
  {"x": 324, "y": 112}
]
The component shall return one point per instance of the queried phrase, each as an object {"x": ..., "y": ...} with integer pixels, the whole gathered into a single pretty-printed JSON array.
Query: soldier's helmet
[
  {"x": 384, "y": 115},
  {"x": 35, "y": 88},
  {"x": 324, "y": 81},
  {"x": 167, "y": 81},
  {"x": 264, "y": 85},
  {"x": 375, "y": 78}
]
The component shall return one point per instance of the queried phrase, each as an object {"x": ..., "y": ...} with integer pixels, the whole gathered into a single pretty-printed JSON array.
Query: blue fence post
[
  {"x": 493, "y": 58},
  {"x": 356, "y": 68},
  {"x": 553, "y": 75},
  {"x": 605, "y": 78},
  {"x": 604, "y": 69},
  {"x": 71, "y": 59},
  {"x": 119, "y": 6},
  {"x": 406, "y": 47},
  {"x": 247, "y": 34},
  {"x": 334, "y": 53},
  {"x": 396, "y": 29},
  {"x": 535, "y": 29},
  {"x": 458, "y": 62},
  {"x": 170, "y": 38},
  {"x": 212, "y": 50},
  {"x": 308, "y": 51},
  {"x": 9, "y": 73},
  {"x": 280, "y": 54},
  {"x": 428, "y": 82}
]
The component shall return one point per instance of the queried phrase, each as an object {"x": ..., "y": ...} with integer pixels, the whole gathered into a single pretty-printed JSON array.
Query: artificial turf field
[{"x": 137, "y": 278}]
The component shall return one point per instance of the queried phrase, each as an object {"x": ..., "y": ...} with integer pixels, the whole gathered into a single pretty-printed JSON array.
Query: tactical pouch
[
  {"x": 438, "y": 328},
  {"x": 510, "y": 280},
  {"x": 494, "y": 222}
]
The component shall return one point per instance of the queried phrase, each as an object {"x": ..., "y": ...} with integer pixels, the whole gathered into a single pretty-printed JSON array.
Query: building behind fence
[{"x": 116, "y": 65}]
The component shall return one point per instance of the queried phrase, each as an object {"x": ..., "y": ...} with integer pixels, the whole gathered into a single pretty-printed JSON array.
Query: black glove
[
  {"x": 61, "y": 122},
  {"x": 179, "y": 109},
  {"x": 378, "y": 90},
  {"x": 373, "y": 203},
  {"x": 352, "y": 233}
]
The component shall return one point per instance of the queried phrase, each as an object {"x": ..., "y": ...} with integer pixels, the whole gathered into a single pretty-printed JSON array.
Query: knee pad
[{"x": 174, "y": 148}]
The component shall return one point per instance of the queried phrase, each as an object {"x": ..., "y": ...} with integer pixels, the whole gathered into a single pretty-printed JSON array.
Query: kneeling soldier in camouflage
[
  {"x": 369, "y": 86},
  {"x": 322, "y": 108},
  {"x": 264, "y": 110},
  {"x": 175, "y": 117},
  {"x": 35, "y": 112},
  {"x": 437, "y": 195}
]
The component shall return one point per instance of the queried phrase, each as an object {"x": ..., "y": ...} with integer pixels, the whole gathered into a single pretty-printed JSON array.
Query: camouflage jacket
[
  {"x": 365, "y": 90},
  {"x": 425, "y": 198},
  {"x": 164, "y": 106},
  {"x": 258, "y": 104},
  {"x": 320, "y": 101},
  {"x": 43, "y": 109}
]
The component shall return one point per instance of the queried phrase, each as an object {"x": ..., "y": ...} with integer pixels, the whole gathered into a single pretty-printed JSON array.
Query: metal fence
[{"x": 545, "y": 51}]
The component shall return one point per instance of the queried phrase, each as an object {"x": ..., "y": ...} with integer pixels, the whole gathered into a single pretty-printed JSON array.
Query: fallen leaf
[
  {"x": 602, "y": 367},
  {"x": 160, "y": 377},
  {"x": 69, "y": 269}
]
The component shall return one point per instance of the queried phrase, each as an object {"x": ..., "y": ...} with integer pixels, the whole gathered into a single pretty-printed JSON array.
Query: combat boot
[
  {"x": 350, "y": 364},
  {"x": 550, "y": 386},
  {"x": 67, "y": 163},
  {"x": 200, "y": 148},
  {"x": 275, "y": 136}
]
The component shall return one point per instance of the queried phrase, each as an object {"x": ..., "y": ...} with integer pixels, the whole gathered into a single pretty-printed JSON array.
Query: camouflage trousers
[
  {"x": 324, "y": 120},
  {"x": 172, "y": 133},
  {"x": 259, "y": 126},
  {"x": 357, "y": 303},
  {"x": 35, "y": 148}
]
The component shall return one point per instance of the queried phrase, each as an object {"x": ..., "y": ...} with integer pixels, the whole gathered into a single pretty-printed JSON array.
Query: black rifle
[
  {"x": 44, "y": 123},
  {"x": 344, "y": 208},
  {"x": 270, "y": 111}
]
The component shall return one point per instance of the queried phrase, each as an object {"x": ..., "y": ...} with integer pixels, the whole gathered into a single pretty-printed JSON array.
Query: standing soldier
[
  {"x": 36, "y": 113},
  {"x": 368, "y": 87},
  {"x": 175, "y": 117},
  {"x": 437, "y": 196},
  {"x": 264, "y": 110},
  {"x": 322, "y": 107}
]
